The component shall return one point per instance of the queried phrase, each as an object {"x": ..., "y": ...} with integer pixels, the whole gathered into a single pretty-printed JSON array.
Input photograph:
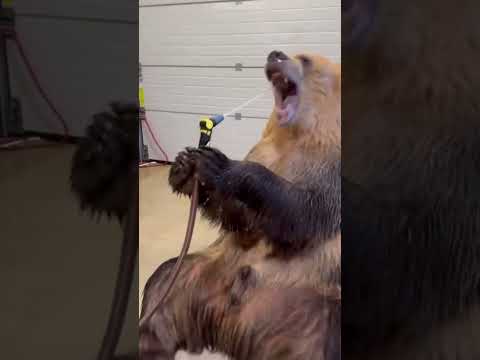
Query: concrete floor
[
  {"x": 46, "y": 242},
  {"x": 163, "y": 220}
]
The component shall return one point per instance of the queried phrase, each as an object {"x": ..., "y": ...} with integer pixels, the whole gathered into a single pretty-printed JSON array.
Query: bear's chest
[{"x": 286, "y": 160}]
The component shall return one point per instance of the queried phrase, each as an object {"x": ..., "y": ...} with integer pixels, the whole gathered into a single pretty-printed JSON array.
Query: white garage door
[{"x": 207, "y": 57}]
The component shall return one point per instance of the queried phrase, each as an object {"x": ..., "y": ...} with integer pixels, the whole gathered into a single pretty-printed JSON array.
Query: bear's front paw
[
  {"x": 104, "y": 165},
  {"x": 181, "y": 174},
  {"x": 206, "y": 164}
]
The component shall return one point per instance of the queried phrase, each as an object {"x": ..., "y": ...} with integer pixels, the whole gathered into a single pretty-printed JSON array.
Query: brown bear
[{"x": 269, "y": 287}]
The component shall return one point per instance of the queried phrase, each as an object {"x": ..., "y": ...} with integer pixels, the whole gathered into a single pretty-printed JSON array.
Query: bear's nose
[{"x": 276, "y": 56}]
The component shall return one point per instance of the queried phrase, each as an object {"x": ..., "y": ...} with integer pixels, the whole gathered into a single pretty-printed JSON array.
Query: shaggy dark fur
[
  {"x": 280, "y": 324},
  {"x": 104, "y": 177},
  {"x": 246, "y": 196},
  {"x": 410, "y": 194},
  {"x": 104, "y": 166}
]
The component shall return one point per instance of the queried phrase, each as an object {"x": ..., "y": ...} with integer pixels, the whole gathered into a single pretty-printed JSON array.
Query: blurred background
[{"x": 60, "y": 63}]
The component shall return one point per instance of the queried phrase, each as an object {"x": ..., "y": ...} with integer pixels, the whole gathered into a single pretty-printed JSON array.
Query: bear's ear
[
  {"x": 329, "y": 75},
  {"x": 332, "y": 80}
]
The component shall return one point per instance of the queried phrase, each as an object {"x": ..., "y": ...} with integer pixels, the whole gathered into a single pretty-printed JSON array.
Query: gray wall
[{"x": 78, "y": 49}]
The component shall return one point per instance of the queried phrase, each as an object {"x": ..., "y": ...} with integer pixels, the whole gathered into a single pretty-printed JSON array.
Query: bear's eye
[{"x": 305, "y": 60}]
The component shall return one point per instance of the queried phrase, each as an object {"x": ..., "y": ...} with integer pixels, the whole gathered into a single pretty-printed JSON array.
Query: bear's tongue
[{"x": 285, "y": 109}]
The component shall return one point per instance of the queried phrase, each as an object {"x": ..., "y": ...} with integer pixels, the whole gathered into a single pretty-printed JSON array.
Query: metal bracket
[
  {"x": 238, "y": 67},
  {"x": 145, "y": 153}
]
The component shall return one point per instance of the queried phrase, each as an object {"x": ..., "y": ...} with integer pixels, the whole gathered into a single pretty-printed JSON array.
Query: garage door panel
[
  {"x": 219, "y": 106},
  {"x": 326, "y": 37},
  {"x": 198, "y": 72},
  {"x": 235, "y": 138},
  {"x": 175, "y": 2},
  {"x": 223, "y": 82},
  {"x": 206, "y": 91},
  {"x": 231, "y": 60},
  {"x": 160, "y": 27},
  {"x": 280, "y": 4},
  {"x": 304, "y": 4},
  {"x": 251, "y": 27},
  {"x": 200, "y": 15},
  {"x": 169, "y": 101},
  {"x": 182, "y": 3},
  {"x": 239, "y": 51},
  {"x": 250, "y": 13},
  {"x": 188, "y": 91}
]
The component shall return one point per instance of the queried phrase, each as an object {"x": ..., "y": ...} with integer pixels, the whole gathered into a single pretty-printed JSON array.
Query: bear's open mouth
[{"x": 285, "y": 91}]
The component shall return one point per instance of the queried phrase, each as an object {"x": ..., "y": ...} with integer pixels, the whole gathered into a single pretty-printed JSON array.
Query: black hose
[
  {"x": 183, "y": 252},
  {"x": 186, "y": 243},
  {"x": 123, "y": 286}
]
